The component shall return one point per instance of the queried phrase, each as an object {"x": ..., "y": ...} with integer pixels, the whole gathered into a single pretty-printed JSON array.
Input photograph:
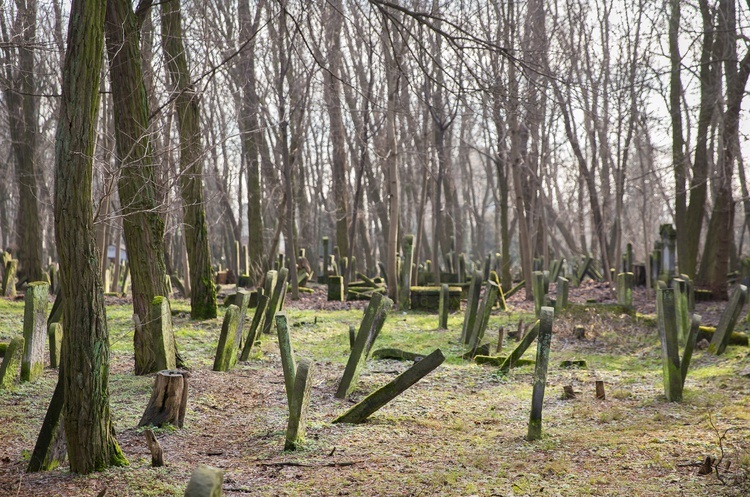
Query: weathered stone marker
[
  {"x": 385, "y": 394},
  {"x": 443, "y": 311},
  {"x": 727, "y": 321},
  {"x": 50, "y": 449},
  {"x": 323, "y": 278},
  {"x": 491, "y": 291},
  {"x": 287, "y": 356},
  {"x": 295, "y": 430},
  {"x": 241, "y": 300},
  {"x": 255, "y": 327},
  {"x": 695, "y": 324},
  {"x": 372, "y": 322},
  {"x": 55, "y": 335},
  {"x": 670, "y": 354},
  {"x": 472, "y": 304},
  {"x": 9, "y": 279},
  {"x": 168, "y": 401},
  {"x": 336, "y": 288},
  {"x": 625, "y": 289},
  {"x": 540, "y": 373},
  {"x": 561, "y": 298},
  {"x": 403, "y": 295},
  {"x": 34, "y": 330},
  {"x": 682, "y": 311},
  {"x": 274, "y": 302},
  {"x": 514, "y": 356},
  {"x": 11, "y": 363},
  {"x": 205, "y": 482},
  {"x": 540, "y": 296},
  {"x": 164, "y": 346},
  {"x": 226, "y": 351}
]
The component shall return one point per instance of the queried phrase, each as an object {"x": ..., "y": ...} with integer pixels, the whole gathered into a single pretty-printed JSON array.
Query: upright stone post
[
  {"x": 472, "y": 304},
  {"x": 236, "y": 264},
  {"x": 444, "y": 295},
  {"x": 295, "y": 430},
  {"x": 679, "y": 286},
  {"x": 34, "y": 330},
  {"x": 546, "y": 317},
  {"x": 55, "y": 335},
  {"x": 538, "y": 289},
  {"x": 164, "y": 346},
  {"x": 226, "y": 350},
  {"x": 670, "y": 355},
  {"x": 561, "y": 300},
  {"x": 336, "y": 288},
  {"x": 625, "y": 289},
  {"x": 405, "y": 290},
  {"x": 244, "y": 266},
  {"x": 9, "y": 278},
  {"x": 728, "y": 319},
  {"x": 326, "y": 253}
]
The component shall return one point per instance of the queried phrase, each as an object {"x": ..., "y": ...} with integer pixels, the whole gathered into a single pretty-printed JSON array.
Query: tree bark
[
  {"x": 187, "y": 104},
  {"x": 85, "y": 358}
]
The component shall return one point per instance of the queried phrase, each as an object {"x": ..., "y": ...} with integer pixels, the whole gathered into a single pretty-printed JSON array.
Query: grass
[{"x": 459, "y": 431}]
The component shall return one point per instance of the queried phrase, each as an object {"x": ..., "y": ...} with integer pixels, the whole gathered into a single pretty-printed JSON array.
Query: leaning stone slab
[
  {"x": 241, "y": 300},
  {"x": 164, "y": 346},
  {"x": 385, "y": 394},
  {"x": 491, "y": 291},
  {"x": 226, "y": 351},
  {"x": 287, "y": 356},
  {"x": 274, "y": 299},
  {"x": 50, "y": 450},
  {"x": 205, "y": 482},
  {"x": 11, "y": 363},
  {"x": 727, "y": 321},
  {"x": 369, "y": 329},
  {"x": 472, "y": 304},
  {"x": 34, "y": 330},
  {"x": 55, "y": 335},
  {"x": 695, "y": 324},
  {"x": 9, "y": 279},
  {"x": 255, "y": 327},
  {"x": 540, "y": 373},
  {"x": 295, "y": 430},
  {"x": 528, "y": 339},
  {"x": 670, "y": 355}
]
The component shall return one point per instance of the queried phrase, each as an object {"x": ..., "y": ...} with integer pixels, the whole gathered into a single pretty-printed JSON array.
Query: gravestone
[
  {"x": 668, "y": 252},
  {"x": 472, "y": 304},
  {"x": 680, "y": 287},
  {"x": 11, "y": 363},
  {"x": 205, "y": 482},
  {"x": 226, "y": 351},
  {"x": 427, "y": 298},
  {"x": 540, "y": 373},
  {"x": 369, "y": 329},
  {"x": 515, "y": 356},
  {"x": 336, "y": 288},
  {"x": 406, "y": 269},
  {"x": 255, "y": 327},
  {"x": 672, "y": 375},
  {"x": 241, "y": 300},
  {"x": 55, "y": 335},
  {"x": 491, "y": 291},
  {"x": 385, "y": 394},
  {"x": 561, "y": 297},
  {"x": 34, "y": 330},
  {"x": 728, "y": 320},
  {"x": 9, "y": 278},
  {"x": 443, "y": 311},
  {"x": 295, "y": 430},
  {"x": 625, "y": 289},
  {"x": 276, "y": 299},
  {"x": 540, "y": 296},
  {"x": 287, "y": 356},
  {"x": 164, "y": 346}
]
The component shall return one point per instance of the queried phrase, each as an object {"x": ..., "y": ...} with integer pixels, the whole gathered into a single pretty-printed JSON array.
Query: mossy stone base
[{"x": 427, "y": 298}]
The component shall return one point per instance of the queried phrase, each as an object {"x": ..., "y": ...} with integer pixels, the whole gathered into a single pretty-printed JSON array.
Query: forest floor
[{"x": 458, "y": 432}]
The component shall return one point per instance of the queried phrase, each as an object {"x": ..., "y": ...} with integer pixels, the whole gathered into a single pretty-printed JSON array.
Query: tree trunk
[
  {"x": 187, "y": 103},
  {"x": 85, "y": 358},
  {"x": 143, "y": 226}
]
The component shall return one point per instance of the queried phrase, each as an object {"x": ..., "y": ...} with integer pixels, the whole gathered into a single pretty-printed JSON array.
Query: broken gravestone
[
  {"x": 226, "y": 350},
  {"x": 11, "y": 363},
  {"x": 295, "y": 430},
  {"x": 255, "y": 327},
  {"x": 727, "y": 321}
]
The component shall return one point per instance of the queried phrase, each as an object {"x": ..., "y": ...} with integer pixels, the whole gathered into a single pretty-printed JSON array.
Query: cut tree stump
[
  {"x": 385, "y": 394},
  {"x": 568, "y": 392},
  {"x": 157, "y": 454},
  {"x": 600, "y": 395},
  {"x": 168, "y": 400}
]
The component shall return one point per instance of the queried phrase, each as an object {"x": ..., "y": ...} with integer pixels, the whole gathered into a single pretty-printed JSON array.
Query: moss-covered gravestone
[
  {"x": 11, "y": 363},
  {"x": 625, "y": 289},
  {"x": 34, "y": 330},
  {"x": 205, "y": 482},
  {"x": 55, "y": 335},
  {"x": 385, "y": 394},
  {"x": 472, "y": 304},
  {"x": 295, "y": 430},
  {"x": 226, "y": 351},
  {"x": 163, "y": 334},
  {"x": 443, "y": 311},
  {"x": 369, "y": 329},
  {"x": 561, "y": 298},
  {"x": 276, "y": 298},
  {"x": 241, "y": 300},
  {"x": 255, "y": 327},
  {"x": 518, "y": 352},
  {"x": 287, "y": 356},
  {"x": 540, "y": 296},
  {"x": 540, "y": 373},
  {"x": 665, "y": 309},
  {"x": 9, "y": 278},
  {"x": 491, "y": 292},
  {"x": 336, "y": 288}
]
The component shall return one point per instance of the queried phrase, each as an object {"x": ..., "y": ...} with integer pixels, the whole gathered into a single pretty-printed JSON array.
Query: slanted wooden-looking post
[
  {"x": 540, "y": 373},
  {"x": 287, "y": 356}
]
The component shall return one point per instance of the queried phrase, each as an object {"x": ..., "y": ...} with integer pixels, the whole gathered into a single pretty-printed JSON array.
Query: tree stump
[
  {"x": 157, "y": 454},
  {"x": 168, "y": 400},
  {"x": 600, "y": 395}
]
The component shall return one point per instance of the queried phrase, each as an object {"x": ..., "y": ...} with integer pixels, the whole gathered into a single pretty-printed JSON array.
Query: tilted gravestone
[
  {"x": 295, "y": 430},
  {"x": 276, "y": 299},
  {"x": 55, "y": 335},
  {"x": 674, "y": 369},
  {"x": 164, "y": 346},
  {"x": 443, "y": 310},
  {"x": 226, "y": 350},
  {"x": 287, "y": 356},
  {"x": 385, "y": 394},
  {"x": 727, "y": 321},
  {"x": 34, "y": 330},
  {"x": 561, "y": 300},
  {"x": 491, "y": 292},
  {"x": 9, "y": 278},
  {"x": 540, "y": 296},
  {"x": 11, "y": 363},
  {"x": 518, "y": 352},
  {"x": 241, "y": 300},
  {"x": 372, "y": 322},
  {"x": 255, "y": 327},
  {"x": 472, "y": 304},
  {"x": 540, "y": 373}
]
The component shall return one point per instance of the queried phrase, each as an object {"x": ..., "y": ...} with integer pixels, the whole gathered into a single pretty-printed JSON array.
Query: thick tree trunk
[
  {"x": 143, "y": 227},
  {"x": 85, "y": 358},
  {"x": 187, "y": 103}
]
